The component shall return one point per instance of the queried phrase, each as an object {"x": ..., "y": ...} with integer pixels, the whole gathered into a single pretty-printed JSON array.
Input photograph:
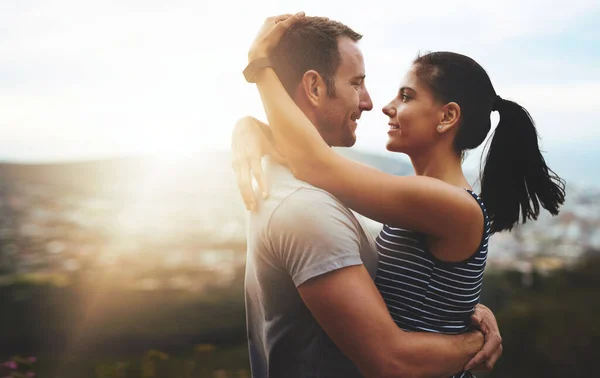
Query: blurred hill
[{"x": 211, "y": 170}]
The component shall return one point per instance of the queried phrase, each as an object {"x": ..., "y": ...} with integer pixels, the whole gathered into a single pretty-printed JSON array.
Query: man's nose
[{"x": 366, "y": 104}]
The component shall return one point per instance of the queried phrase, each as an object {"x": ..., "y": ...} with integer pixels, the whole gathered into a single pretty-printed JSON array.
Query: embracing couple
[{"x": 323, "y": 299}]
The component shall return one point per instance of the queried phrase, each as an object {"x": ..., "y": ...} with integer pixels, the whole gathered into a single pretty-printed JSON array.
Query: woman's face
[{"x": 414, "y": 116}]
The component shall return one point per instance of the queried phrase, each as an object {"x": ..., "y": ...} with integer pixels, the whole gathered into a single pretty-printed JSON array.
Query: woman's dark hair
[{"x": 515, "y": 179}]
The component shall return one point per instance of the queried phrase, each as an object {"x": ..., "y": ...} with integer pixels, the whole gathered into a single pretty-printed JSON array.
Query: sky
[{"x": 96, "y": 79}]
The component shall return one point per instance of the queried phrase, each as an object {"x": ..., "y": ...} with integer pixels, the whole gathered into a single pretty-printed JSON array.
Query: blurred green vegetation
[
  {"x": 547, "y": 320},
  {"x": 83, "y": 330}
]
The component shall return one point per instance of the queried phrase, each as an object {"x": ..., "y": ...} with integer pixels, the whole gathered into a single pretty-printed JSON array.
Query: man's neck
[{"x": 311, "y": 114}]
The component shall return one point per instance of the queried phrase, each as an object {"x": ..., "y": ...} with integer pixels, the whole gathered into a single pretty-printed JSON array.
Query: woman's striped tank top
[{"x": 423, "y": 293}]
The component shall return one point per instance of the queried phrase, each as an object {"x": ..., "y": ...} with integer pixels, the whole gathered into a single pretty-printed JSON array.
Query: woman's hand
[
  {"x": 270, "y": 34},
  {"x": 250, "y": 141}
]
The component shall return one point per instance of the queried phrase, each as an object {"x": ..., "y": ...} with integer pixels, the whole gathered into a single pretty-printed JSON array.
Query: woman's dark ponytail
[{"x": 515, "y": 179}]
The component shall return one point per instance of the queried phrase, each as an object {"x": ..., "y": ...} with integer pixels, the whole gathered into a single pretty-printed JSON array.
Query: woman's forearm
[{"x": 294, "y": 133}]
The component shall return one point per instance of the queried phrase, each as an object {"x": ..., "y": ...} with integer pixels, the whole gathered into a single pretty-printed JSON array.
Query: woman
[{"x": 433, "y": 247}]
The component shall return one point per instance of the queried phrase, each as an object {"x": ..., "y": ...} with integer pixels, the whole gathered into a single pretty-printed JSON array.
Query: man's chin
[
  {"x": 345, "y": 140},
  {"x": 350, "y": 141}
]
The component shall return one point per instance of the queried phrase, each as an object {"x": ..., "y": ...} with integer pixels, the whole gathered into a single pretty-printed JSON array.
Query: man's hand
[
  {"x": 484, "y": 320},
  {"x": 249, "y": 143}
]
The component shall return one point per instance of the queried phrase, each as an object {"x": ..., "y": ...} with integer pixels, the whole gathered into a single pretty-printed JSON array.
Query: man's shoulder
[
  {"x": 311, "y": 212},
  {"x": 310, "y": 200},
  {"x": 289, "y": 189},
  {"x": 293, "y": 203}
]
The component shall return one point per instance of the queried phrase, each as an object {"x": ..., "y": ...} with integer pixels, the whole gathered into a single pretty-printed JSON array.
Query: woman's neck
[{"x": 441, "y": 164}]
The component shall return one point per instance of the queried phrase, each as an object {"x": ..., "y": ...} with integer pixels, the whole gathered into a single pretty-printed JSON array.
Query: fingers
[
  {"x": 248, "y": 144},
  {"x": 489, "y": 353},
  {"x": 487, "y": 357},
  {"x": 478, "y": 368},
  {"x": 491, "y": 362},
  {"x": 478, "y": 314},
  {"x": 288, "y": 17},
  {"x": 289, "y": 21},
  {"x": 483, "y": 318},
  {"x": 481, "y": 307},
  {"x": 478, "y": 322},
  {"x": 244, "y": 182},
  {"x": 280, "y": 18},
  {"x": 257, "y": 171},
  {"x": 477, "y": 361},
  {"x": 270, "y": 34}
]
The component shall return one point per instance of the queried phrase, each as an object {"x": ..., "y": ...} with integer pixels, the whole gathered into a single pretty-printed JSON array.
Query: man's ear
[{"x": 313, "y": 87}]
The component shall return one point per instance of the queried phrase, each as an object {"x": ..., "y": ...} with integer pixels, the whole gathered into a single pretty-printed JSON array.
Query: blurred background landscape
[{"x": 134, "y": 267}]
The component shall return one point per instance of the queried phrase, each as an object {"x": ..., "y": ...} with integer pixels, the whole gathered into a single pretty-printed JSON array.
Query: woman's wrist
[{"x": 254, "y": 55}]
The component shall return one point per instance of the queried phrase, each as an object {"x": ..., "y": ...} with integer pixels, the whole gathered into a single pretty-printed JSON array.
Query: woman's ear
[{"x": 450, "y": 117}]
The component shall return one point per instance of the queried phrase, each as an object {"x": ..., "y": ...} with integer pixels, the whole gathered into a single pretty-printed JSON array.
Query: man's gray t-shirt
[{"x": 298, "y": 233}]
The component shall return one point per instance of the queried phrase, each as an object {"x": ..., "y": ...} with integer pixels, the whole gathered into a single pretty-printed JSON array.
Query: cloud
[
  {"x": 577, "y": 97},
  {"x": 476, "y": 21}
]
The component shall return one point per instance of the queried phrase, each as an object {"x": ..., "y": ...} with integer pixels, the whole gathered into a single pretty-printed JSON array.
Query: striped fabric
[{"x": 426, "y": 294}]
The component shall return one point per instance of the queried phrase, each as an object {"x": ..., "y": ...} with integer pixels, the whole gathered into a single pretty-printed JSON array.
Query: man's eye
[{"x": 404, "y": 97}]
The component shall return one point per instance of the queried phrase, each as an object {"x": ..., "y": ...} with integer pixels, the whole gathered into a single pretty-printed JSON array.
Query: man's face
[{"x": 338, "y": 114}]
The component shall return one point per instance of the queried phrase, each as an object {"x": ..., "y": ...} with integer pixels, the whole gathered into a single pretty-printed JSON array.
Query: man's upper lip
[{"x": 393, "y": 124}]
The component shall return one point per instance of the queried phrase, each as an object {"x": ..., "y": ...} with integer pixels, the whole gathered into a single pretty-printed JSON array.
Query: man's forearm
[
  {"x": 424, "y": 354},
  {"x": 349, "y": 308}
]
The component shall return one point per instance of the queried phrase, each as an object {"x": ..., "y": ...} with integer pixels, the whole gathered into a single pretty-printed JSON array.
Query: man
[{"x": 312, "y": 307}]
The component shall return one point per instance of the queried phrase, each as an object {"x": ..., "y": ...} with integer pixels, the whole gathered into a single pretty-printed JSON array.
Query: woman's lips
[{"x": 393, "y": 129}]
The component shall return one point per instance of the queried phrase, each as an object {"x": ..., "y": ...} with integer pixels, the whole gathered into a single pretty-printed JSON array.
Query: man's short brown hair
[{"x": 310, "y": 44}]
